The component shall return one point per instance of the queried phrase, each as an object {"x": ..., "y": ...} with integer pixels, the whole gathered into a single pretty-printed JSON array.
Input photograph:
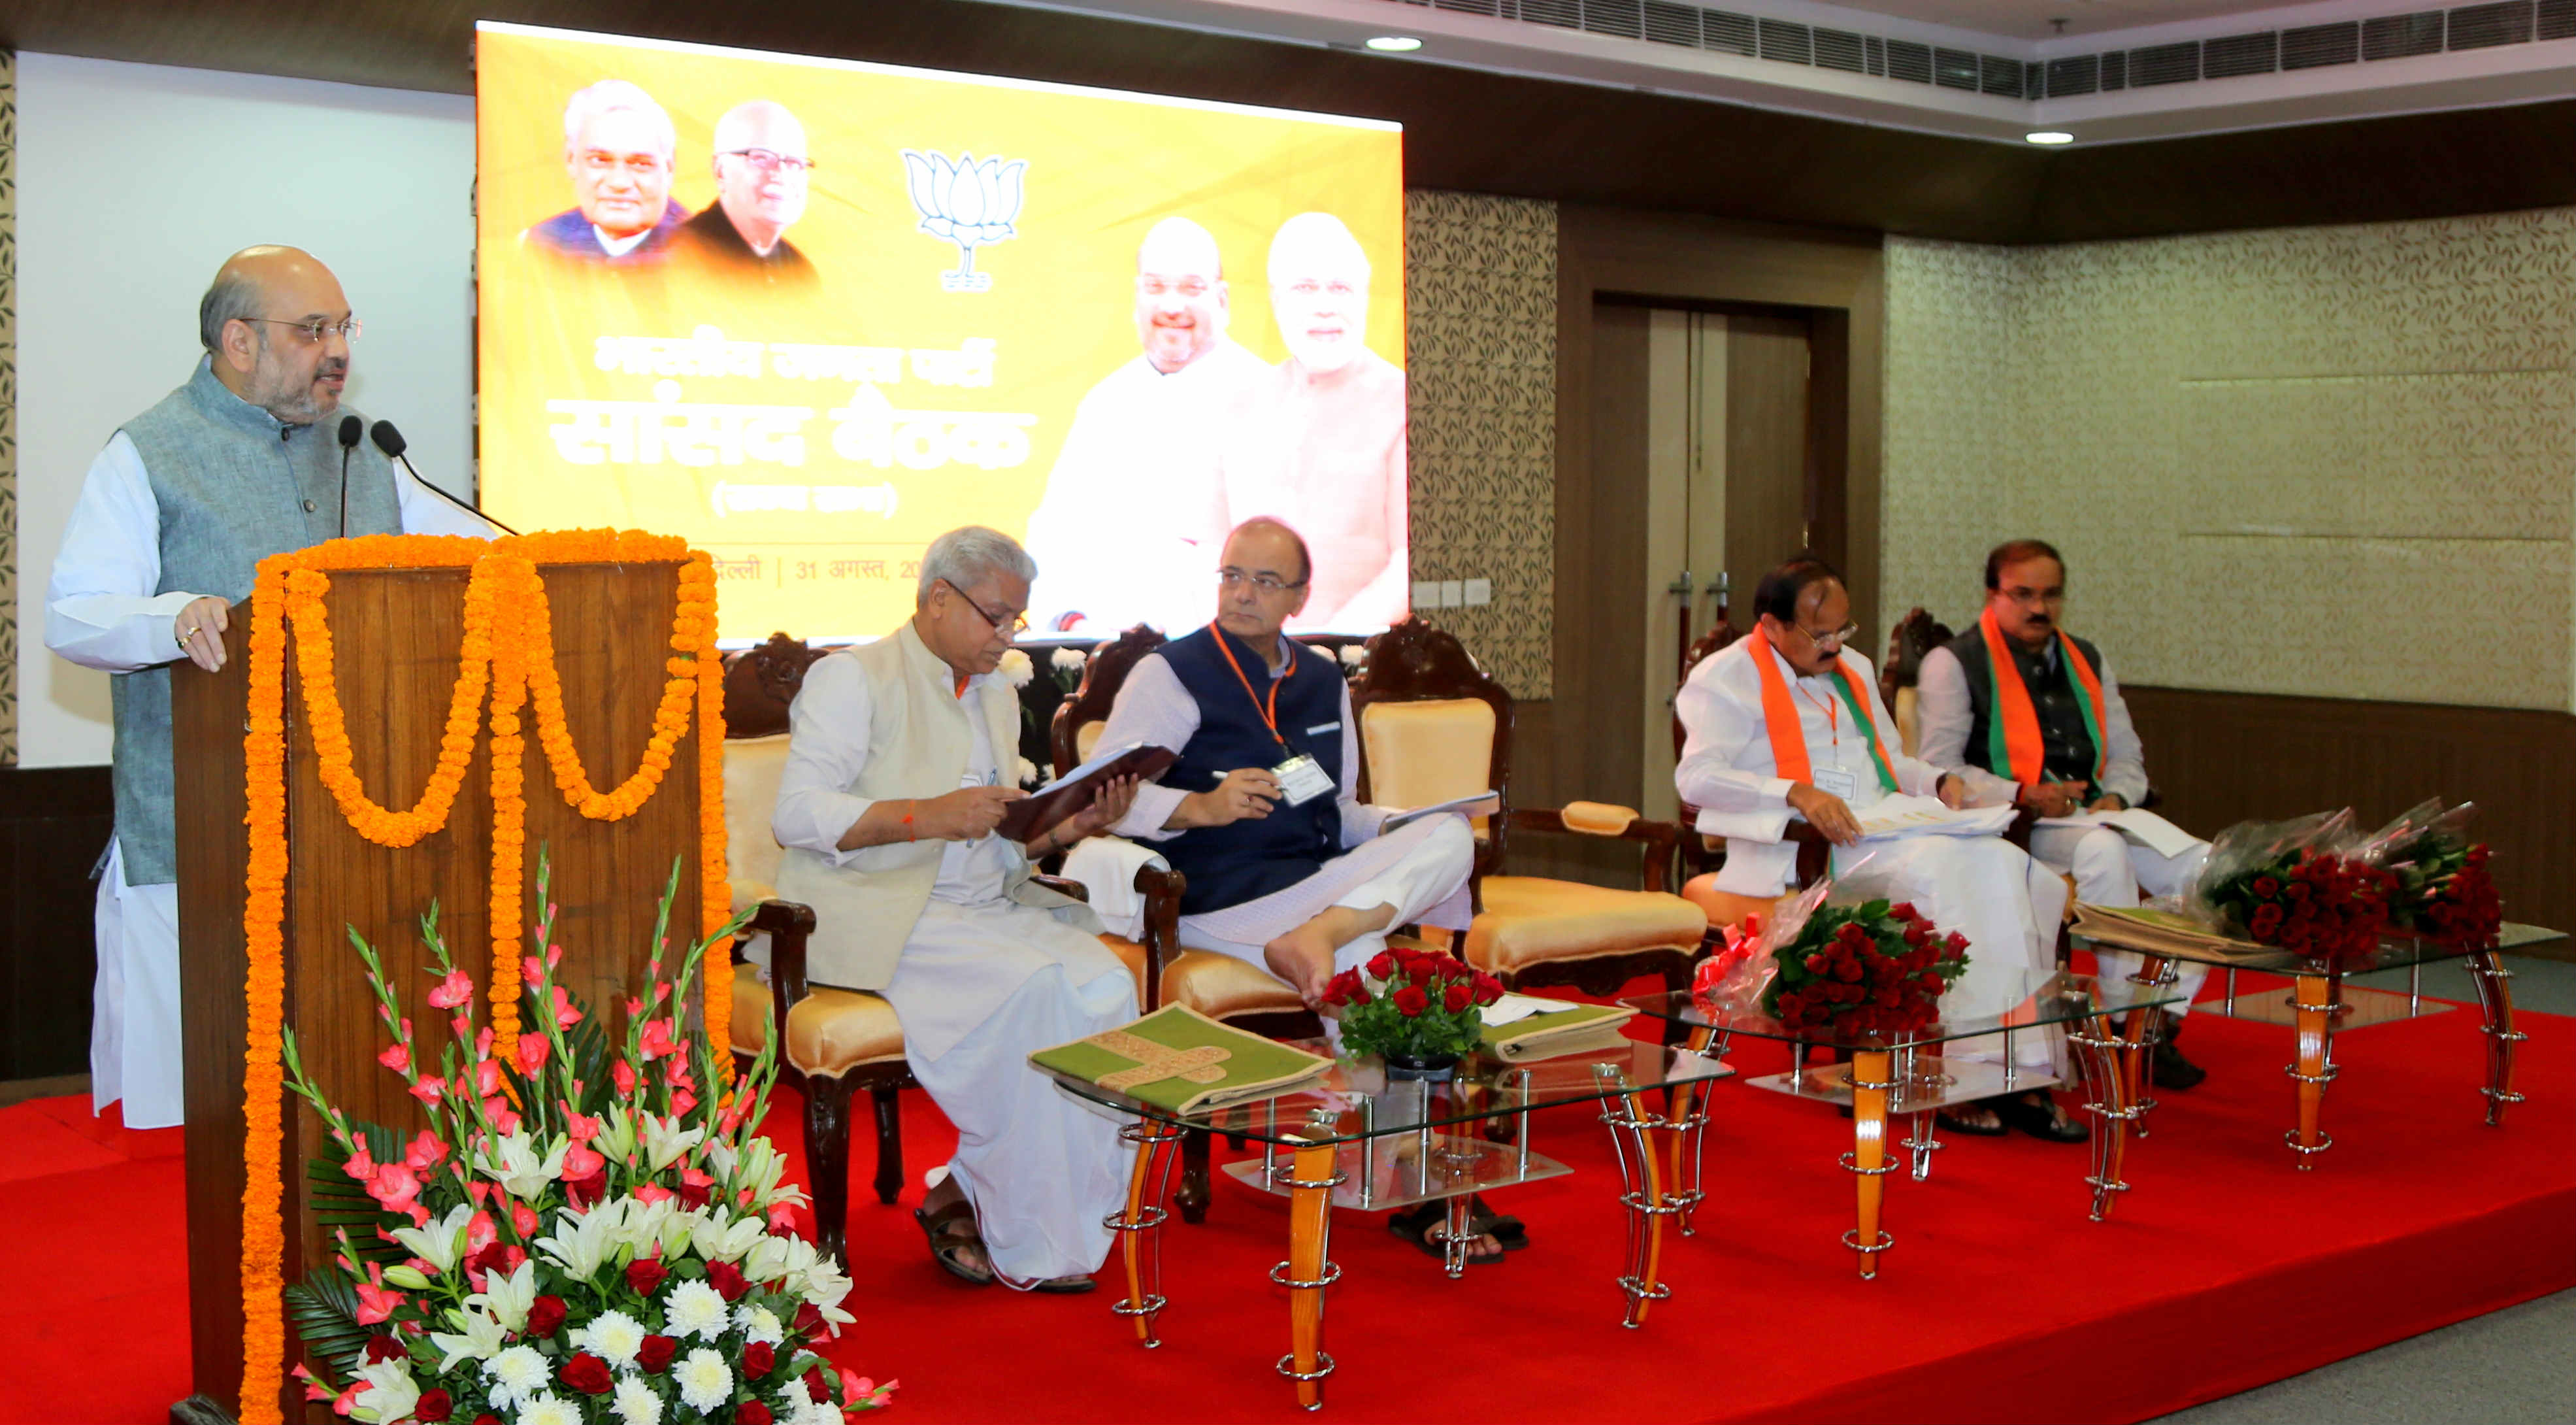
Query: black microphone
[
  {"x": 390, "y": 441},
  {"x": 350, "y": 428}
]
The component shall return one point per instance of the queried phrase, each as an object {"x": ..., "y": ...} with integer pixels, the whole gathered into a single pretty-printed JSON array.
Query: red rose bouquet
[
  {"x": 1841, "y": 970},
  {"x": 591, "y": 1230},
  {"x": 2303, "y": 885},
  {"x": 1412, "y": 1004},
  {"x": 2442, "y": 890}
]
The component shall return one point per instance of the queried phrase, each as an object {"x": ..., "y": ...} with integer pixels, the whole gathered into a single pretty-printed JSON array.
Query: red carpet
[{"x": 1999, "y": 1301}]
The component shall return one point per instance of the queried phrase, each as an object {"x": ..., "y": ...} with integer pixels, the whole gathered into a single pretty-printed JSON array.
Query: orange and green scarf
[
  {"x": 1789, "y": 734},
  {"x": 2012, "y": 727}
]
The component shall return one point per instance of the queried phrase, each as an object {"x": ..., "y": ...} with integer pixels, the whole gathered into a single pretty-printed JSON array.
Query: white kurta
[
  {"x": 102, "y": 611},
  {"x": 1421, "y": 869},
  {"x": 2108, "y": 868},
  {"x": 1982, "y": 887},
  {"x": 1128, "y": 530},
  {"x": 982, "y": 983}
]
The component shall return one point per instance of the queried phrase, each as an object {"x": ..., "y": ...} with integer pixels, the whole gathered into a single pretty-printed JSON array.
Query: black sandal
[
  {"x": 1416, "y": 1224},
  {"x": 1065, "y": 1286},
  {"x": 1951, "y": 1122},
  {"x": 950, "y": 1229},
  {"x": 2037, "y": 1114}
]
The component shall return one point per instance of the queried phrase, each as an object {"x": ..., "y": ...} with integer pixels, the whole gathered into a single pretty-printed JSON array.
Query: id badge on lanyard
[
  {"x": 1835, "y": 782},
  {"x": 1302, "y": 779}
]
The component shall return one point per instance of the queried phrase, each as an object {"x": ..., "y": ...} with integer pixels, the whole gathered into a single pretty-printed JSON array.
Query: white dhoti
[
  {"x": 1421, "y": 870},
  {"x": 134, "y": 1009},
  {"x": 2110, "y": 869},
  {"x": 2006, "y": 904},
  {"x": 979, "y": 988}
]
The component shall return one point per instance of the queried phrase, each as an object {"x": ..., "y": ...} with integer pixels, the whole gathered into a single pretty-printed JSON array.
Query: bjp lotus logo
[{"x": 969, "y": 203}]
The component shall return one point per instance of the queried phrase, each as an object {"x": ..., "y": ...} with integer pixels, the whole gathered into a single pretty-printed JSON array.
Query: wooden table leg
[
  {"x": 2315, "y": 1002},
  {"x": 1139, "y": 1226},
  {"x": 2495, "y": 1002},
  {"x": 1868, "y": 1157},
  {"x": 1641, "y": 1190},
  {"x": 1689, "y": 1122},
  {"x": 1309, "y": 1268}
]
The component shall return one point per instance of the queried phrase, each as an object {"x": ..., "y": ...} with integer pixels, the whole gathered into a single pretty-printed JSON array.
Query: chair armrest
[
  {"x": 1073, "y": 890},
  {"x": 2025, "y": 819},
  {"x": 1815, "y": 851},
  {"x": 1162, "y": 892},
  {"x": 1662, "y": 839},
  {"x": 787, "y": 924}
]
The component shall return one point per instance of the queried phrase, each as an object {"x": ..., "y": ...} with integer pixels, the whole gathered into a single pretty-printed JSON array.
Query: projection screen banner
[{"x": 811, "y": 313}]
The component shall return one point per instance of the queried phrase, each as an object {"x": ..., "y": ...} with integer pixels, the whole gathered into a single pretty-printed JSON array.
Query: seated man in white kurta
[
  {"x": 1786, "y": 723},
  {"x": 2027, "y": 713},
  {"x": 895, "y": 779}
]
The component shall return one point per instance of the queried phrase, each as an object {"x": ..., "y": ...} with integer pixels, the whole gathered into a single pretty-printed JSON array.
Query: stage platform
[{"x": 2224, "y": 1268}]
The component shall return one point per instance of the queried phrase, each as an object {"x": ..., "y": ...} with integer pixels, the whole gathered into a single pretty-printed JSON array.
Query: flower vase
[{"x": 1431, "y": 1068}]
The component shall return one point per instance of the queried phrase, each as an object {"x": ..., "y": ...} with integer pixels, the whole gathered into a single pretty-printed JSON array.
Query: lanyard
[
  {"x": 1833, "y": 714},
  {"x": 1269, "y": 711}
]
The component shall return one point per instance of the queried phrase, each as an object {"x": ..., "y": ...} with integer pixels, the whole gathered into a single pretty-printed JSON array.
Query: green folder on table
[
  {"x": 1181, "y": 1061},
  {"x": 1575, "y": 1029}
]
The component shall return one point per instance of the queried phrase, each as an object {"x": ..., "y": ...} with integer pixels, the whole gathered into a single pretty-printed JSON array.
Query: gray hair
[
  {"x": 970, "y": 552},
  {"x": 231, "y": 298},
  {"x": 609, "y": 95}
]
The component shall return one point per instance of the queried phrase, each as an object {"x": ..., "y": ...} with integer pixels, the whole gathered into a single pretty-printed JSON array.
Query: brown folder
[{"x": 1043, "y": 810}]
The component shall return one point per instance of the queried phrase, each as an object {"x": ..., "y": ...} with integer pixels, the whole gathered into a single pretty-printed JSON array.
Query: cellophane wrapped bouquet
[
  {"x": 591, "y": 1231},
  {"x": 2308, "y": 885},
  {"x": 2441, "y": 888},
  {"x": 1836, "y": 966}
]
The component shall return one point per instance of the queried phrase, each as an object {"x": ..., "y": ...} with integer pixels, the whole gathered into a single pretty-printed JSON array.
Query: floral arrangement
[
  {"x": 2307, "y": 901},
  {"x": 2443, "y": 891},
  {"x": 1872, "y": 968},
  {"x": 587, "y": 1232},
  {"x": 1408, "y": 1004}
]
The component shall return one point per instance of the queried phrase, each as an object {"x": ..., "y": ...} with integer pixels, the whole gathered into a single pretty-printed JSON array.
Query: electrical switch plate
[
  {"x": 1452, "y": 594},
  {"x": 1480, "y": 591}
]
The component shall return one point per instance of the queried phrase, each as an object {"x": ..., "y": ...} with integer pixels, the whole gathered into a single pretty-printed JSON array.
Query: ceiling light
[
  {"x": 2051, "y": 137},
  {"x": 1394, "y": 44}
]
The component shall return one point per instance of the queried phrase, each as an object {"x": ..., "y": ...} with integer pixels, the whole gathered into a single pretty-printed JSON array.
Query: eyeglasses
[
  {"x": 1228, "y": 578},
  {"x": 1018, "y": 624},
  {"x": 769, "y": 160},
  {"x": 1835, "y": 639},
  {"x": 347, "y": 328}
]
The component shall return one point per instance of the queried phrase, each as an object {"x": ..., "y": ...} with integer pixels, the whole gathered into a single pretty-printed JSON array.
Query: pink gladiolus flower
[
  {"x": 624, "y": 1075},
  {"x": 394, "y": 1186},
  {"x": 782, "y": 1220},
  {"x": 651, "y": 1193},
  {"x": 428, "y": 1091},
  {"x": 454, "y": 991},
  {"x": 582, "y": 1129},
  {"x": 523, "y": 1218},
  {"x": 348, "y": 1399},
  {"x": 480, "y": 1232},
  {"x": 504, "y": 1117},
  {"x": 531, "y": 970},
  {"x": 478, "y": 1189},
  {"x": 425, "y": 1152},
  {"x": 483, "y": 1044},
  {"x": 487, "y": 1077},
  {"x": 658, "y": 1040},
  {"x": 396, "y": 1058},
  {"x": 376, "y": 1303},
  {"x": 683, "y": 1100},
  {"x": 360, "y": 1166},
  {"x": 313, "y": 1389},
  {"x": 565, "y": 1015},
  {"x": 419, "y": 1215},
  {"x": 532, "y": 1053},
  {"x": 462, "y": 1025},
  {"x": 634, "y": 1007},
  {"x": 581, "y": 1162}
]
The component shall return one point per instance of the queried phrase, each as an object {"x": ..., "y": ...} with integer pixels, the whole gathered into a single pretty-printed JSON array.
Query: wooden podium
[{"x": 396, "y": 635}]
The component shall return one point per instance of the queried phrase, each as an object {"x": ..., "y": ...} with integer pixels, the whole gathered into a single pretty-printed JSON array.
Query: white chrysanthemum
[
  {"x": 389, "y": 1392},
  {"x": 636, "y": 1403},
  {"x": 694, "y": 1308},
  {"x": 1027, "y": 772},
  {"x": 704, "y": 1379},
  {"x": 1068, "y": 659},
  {"x": 1016, "y": 669},
  {"x": 614, "y": 1337},
  {"x": 1354, "y": 654},
  {"x": 547, "y": 1408},
  {"x": 759, "y": 1323},
  {"x": 516, "y": 1373}
]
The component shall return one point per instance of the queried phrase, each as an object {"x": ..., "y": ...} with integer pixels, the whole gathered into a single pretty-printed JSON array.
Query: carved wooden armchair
[{"x": 1433, "y": 727}]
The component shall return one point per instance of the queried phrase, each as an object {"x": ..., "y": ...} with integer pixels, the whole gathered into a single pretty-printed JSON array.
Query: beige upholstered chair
[
  {"x": 1915, "y": 634},
  {"x": 1434, "y": 727}
]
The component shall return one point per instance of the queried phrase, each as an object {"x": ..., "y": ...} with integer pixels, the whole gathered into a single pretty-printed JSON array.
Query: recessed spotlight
[
  {"x": 2050, "y": 137},
  {"x": 1394, "y": 44}
]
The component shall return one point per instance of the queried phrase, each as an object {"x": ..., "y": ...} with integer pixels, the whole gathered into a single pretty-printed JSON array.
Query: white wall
[{"x": 134, "y": 183}]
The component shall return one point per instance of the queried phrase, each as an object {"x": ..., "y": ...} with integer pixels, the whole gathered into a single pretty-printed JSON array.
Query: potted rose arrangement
[
  {"x": 591, "y": 1231},
  {"x": 1418, "y": 1010}
]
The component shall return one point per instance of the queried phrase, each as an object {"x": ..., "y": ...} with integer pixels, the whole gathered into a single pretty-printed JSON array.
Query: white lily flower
[
  {"x": 678, "y": 1228},
  {"x": 480, "y": 1340},
  {"x": 514, "y": 1164},
  {"x": 725, "y": 1238},
  {"x": 823, "y": 1287},
  {"x": 441, "y": 1242},
  {"x": 664, "y": 1141},
  {"x": 584, "y": 1244},
  {"x": 767, "y": 1259},
  {"x": 722, "y": 1159},
  {"x": 615, "y": 1140},
  {"x": 639, "y": 1223},
  {"x": 508, "y": 1298},
  {"x": 388, "y": 1392}
]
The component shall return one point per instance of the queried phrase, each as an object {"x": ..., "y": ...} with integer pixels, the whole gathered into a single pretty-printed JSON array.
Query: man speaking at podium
[{"x": 172, "y": 521}]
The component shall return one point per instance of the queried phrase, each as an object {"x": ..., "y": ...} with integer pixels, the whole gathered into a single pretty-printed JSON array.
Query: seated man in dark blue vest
[{"x": 1286, "y": 868}]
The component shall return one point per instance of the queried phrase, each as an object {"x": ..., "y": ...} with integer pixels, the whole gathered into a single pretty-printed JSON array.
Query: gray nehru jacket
[{"x": 233, "y": 485}]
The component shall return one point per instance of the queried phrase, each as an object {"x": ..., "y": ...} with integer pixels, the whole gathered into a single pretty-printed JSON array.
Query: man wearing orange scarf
[
  {"x": 2026, "y": 713},
  {"x": 1786, "y": 724}
]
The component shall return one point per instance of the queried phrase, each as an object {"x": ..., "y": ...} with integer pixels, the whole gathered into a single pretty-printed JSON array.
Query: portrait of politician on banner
[{"x": 809, "y": 313}]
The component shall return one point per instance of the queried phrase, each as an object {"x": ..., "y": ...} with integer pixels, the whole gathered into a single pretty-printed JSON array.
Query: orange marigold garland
[{"x": 507, "y": 651}]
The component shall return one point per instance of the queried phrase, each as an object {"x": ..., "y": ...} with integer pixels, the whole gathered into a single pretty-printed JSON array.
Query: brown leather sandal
[{"x": 950, "y": 1230}]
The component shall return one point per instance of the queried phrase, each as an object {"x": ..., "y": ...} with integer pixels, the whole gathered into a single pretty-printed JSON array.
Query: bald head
[
  {"x": 1180, "y": 293},
  {"x": 256, "y": 320},
  {"x": 1262, "y": 582},
  {"x": 762, "y": 168},
  {"x": 1319, "y": 282}
]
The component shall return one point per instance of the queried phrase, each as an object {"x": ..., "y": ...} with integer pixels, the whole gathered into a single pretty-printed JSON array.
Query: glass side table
[
  {"x": 1357, "y": 1139},
  {"x": 1906, "y": 1076}
]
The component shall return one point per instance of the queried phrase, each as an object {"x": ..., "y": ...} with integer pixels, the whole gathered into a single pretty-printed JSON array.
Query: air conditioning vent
[
  {"x": 1785, "y": 42},
  {"x": 2557, "y": 20},
  {"x": 2486, "y": 26},
  {"x": 1623, "y": 18},
  {"x": 1563, "y": 14},
  {"x": 2115, "y": 70},
  {"x": 1671, "y": 24},
  {"x": 2316, "y": 46},
  {"x": 1957, "y": 69},
  {"x": 1909, "y": 61},
  {"x": 1840, "y": 49},
  {"x": 2234, "y": 55},
  {"x": 1475, "y": 7},
  {"x": 1727, "y": 34},
  {"x": 2164, "y": 64},
  {"x": 2079, "y": 74},
  {"x": 2401, "y": 36}
]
